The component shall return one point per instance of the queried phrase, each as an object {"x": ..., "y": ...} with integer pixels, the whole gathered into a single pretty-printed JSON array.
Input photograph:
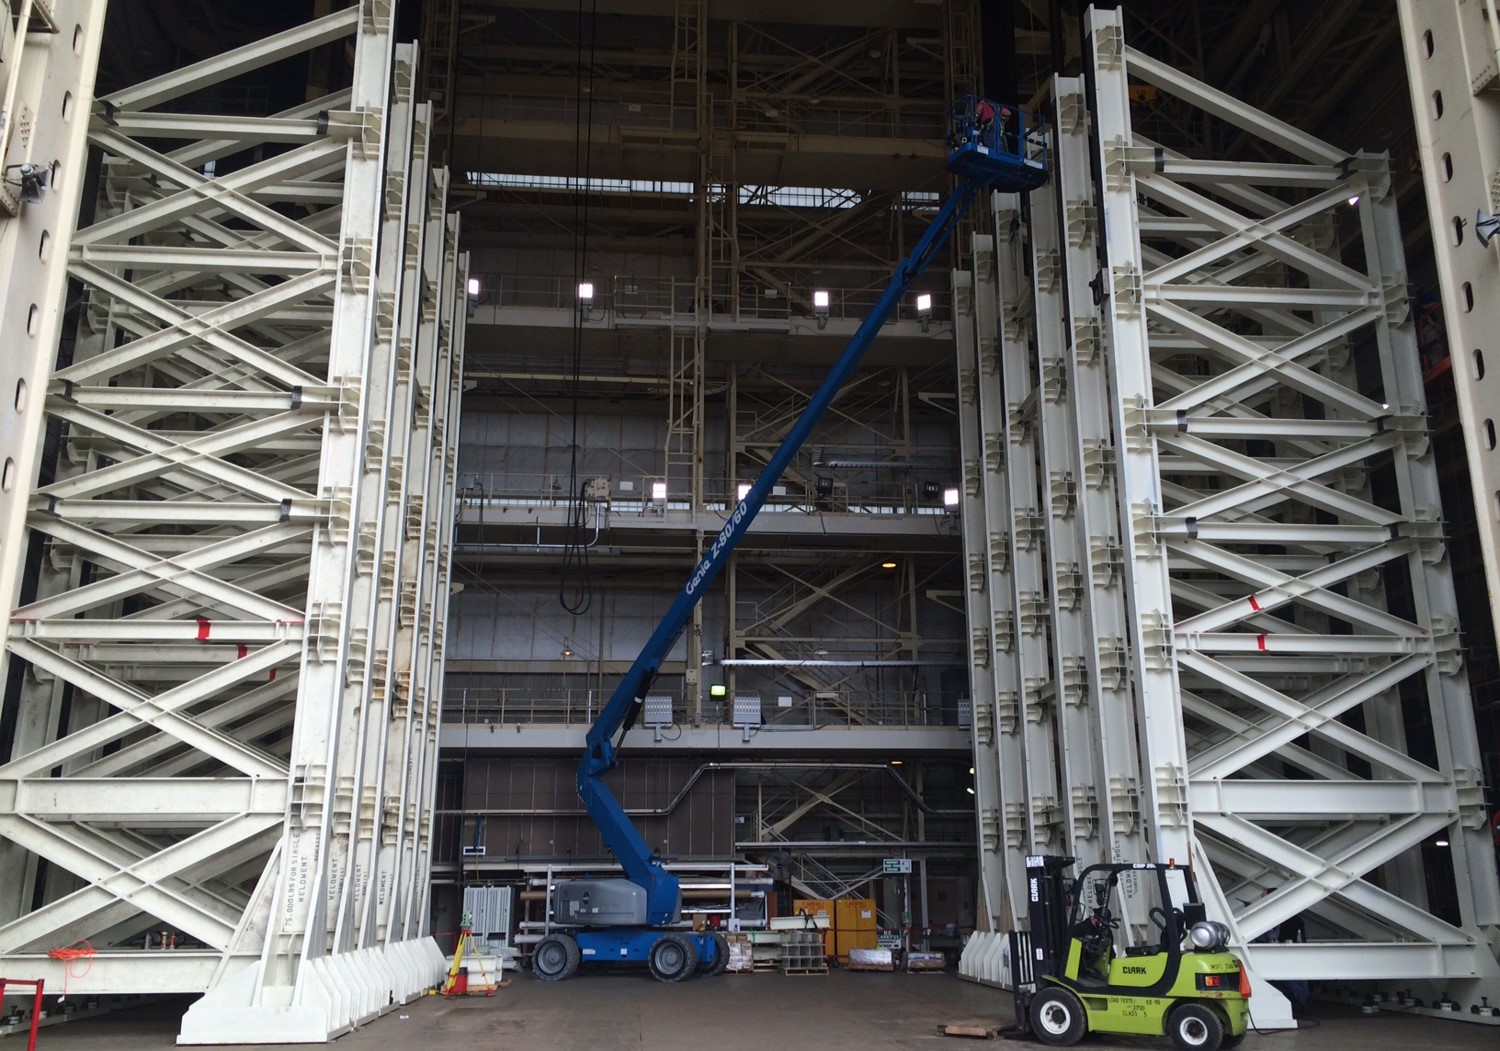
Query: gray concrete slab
[{"x": 841, "y": 1011}]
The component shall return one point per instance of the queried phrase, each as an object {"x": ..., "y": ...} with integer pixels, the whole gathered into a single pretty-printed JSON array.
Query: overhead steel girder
[{"x": 229, "y": 644}]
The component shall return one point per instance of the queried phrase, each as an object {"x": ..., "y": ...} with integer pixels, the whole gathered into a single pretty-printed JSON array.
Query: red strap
[
  {"x": 1253, "y": 604},
  {"x": 1260, "y": 640},
  {"x": 203, "y": 627},
  {"x": 244, "y": 651}
]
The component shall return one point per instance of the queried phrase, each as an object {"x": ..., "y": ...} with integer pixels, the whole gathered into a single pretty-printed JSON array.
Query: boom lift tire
[
  {"x": 721, "y": 958},
  {"x": 1057, "y": 1017},
  {"x": 1194, "y": 1027},
  {"x": 555, "y": 957},
  {"x": 673, "y": 958}
]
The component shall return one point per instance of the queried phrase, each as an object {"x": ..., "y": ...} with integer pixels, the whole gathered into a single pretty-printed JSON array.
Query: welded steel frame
[
  {"x": 1269, "y": 662},
  {"x": 229, "y": 645}
]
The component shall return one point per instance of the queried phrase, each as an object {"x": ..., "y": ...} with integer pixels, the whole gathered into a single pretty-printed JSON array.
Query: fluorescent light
[
  {"x": 658, "y": 491},
  {"x": 743, "y": 490},
  {"x": 950, "y": 497},
  {"x": 887, "y": 565},
  {"x": 718, "y": 690},
  {"x": 969, "y": 789},
  {"x": 820, "y": 300},
  {"x": 473, "y": 286},
  {"x": 1354, "y": 200},
  {"x": 585, "y": 291},
  {"x": 924, "y": 303},
  {"x": 1441, "y": 843}
]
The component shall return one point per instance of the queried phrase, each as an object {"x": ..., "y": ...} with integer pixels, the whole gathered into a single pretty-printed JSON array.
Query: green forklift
[{"x": 1074, "y": 973}]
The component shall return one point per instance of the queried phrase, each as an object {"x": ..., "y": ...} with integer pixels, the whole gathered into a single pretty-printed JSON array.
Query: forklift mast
[
  {"x": 1049, "y": 906},
  {"x": 990, "y": 147}
]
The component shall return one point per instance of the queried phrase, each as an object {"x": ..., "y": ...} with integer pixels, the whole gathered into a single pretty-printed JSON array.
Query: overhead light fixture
[
  {"x": 1441, "y": 843},
  {"x": 820, "y": 308},
  {"x": 969, "y": 789},
  {"x": 950, "y": 497},
  {"x": 567, "y": 651},
  {"x": 742, "y": 490},
  {"x": 473, "y": 286},
  {"x": 1353, "y": 200},
  {"x": 898, "y": 762},
  {"x": 924, "y": 310},
  {"x": 585, "y": 298},
  {"x": 887, "y": 565},
  {"x": 659, "y": 492},
  {"x": 718, "y": 690}
]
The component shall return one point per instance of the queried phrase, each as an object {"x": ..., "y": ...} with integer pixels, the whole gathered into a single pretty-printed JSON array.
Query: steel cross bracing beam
[
  {"x": 231, "y": 634},
  {"x": 1230, "y": 315},
  {"x": 1451, "y": 64}
]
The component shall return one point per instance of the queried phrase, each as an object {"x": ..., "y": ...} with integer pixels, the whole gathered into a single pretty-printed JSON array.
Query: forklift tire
[
  {"x": 721, "y": 958},
  {"x": 1057, "y": 1017},
  {"x": 1195, "y": 1027},
  {"x": 555, "y": 957},
  {"x": 673, "y": 958}
]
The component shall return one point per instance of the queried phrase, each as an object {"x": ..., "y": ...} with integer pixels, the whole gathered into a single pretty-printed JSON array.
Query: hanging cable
[{"x": 575, "y": 588}]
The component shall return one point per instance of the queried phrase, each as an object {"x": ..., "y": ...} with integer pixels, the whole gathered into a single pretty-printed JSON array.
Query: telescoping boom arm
[{"x": 985, "y": 154}]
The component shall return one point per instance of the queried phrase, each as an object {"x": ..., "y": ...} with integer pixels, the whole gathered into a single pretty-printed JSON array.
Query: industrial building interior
[{"x": 547, "y": 283}]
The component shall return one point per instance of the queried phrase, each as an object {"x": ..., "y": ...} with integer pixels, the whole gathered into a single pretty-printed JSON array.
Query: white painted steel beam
[
  {"x": 1000, "y": 797},
  {"x": 1451, "y": 63},
  {"x": 244, "y": 547}
]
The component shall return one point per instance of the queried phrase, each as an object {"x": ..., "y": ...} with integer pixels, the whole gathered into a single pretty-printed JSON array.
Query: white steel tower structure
[
  {"x": 1191, "y": 395},
  {"x": 227, "y": 503}
]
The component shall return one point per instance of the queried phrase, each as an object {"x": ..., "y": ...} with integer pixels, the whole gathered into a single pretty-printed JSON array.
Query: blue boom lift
[{"x": 991, "y": 146}]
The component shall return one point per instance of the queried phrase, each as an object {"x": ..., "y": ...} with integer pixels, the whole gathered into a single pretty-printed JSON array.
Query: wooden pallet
[
  {"x": 976, "y": 1032},
  {"x": 851, "y": 966},
  {"x": 805, "y": 970}
]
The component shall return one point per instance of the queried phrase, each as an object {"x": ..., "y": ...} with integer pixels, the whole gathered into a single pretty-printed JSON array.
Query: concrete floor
[{"x": 842, "y": 1011}]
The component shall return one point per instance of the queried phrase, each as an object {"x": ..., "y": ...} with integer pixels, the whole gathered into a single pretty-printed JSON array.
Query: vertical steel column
[
  {"x": 440, "y": 325},
  {"x": 1287, "y": 575},
  {"x": 1452, "y": 64},
  {"x": 47, "y": 70},
  {"x": 1098, "y": 760},
  {"x": 1008, "y": 411},
  {"x": 1000, "y": 774}
]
